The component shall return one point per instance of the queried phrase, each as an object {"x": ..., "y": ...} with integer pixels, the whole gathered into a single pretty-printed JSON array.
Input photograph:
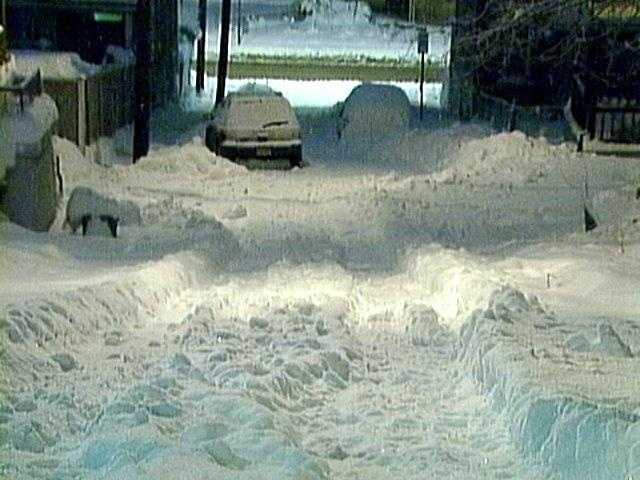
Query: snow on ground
[
  {"x": 332, "y": 29},
  {"x": 430, "y": 309}
]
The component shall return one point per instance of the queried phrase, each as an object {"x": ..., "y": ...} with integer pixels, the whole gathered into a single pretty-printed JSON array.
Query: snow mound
[
  {"x": 426, "y": 151},
  {"x": 510, "y": 158},
  {"x": 85, "y": 201},
  {"x": 166, "y": 228},
  {"x": 192, "y": 159},
  {"x": 373, "y": 111}
]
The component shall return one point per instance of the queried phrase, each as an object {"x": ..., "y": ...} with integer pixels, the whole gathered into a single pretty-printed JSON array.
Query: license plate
[{"x": 263, "y": 152}]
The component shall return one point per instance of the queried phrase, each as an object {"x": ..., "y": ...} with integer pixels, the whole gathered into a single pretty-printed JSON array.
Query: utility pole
[
  {"x": 4, "y": 13},
  {"x": 142, "y": 119},
  {"x": 202, "y": 46},
  {"x": 423, "y": 49},
  {"x": 223, "y": 59},
  {"x": 239, "y": 14}
]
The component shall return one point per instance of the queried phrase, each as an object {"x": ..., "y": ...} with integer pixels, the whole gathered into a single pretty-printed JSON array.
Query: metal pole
[
  {"x": 202, "y": 46},
  {"x": 142, "y": 119},
  {"x": 223, "y": 59},
  {"x": 421, "y": 84}
]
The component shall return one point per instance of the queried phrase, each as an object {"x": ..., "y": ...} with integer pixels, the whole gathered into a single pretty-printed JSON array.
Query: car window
[{"x": 261, "y": 112}]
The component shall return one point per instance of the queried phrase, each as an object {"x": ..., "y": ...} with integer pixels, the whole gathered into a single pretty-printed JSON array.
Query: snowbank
[
  {"x": 571, "y": 403},
  {"x": 427, "y": 150},
  {"x": 507, "y": 158}
]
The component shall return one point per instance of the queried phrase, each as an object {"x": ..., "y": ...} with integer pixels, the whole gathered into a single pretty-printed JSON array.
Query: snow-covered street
[{"x": 424, "y": 304}]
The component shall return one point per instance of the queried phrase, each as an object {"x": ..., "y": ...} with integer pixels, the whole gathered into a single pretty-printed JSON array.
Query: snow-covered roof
[{"x": 55, "y": 65}]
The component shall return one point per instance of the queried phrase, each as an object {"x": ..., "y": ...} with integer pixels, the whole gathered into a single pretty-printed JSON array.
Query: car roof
[{"x": 246, "y": 97}]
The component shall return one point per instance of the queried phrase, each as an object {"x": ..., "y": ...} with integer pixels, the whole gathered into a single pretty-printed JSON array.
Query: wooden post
[
  {"x": 142, "y": 120},
  {"x": 202, "y": 46},
  {"x": 223, "y": 59}
]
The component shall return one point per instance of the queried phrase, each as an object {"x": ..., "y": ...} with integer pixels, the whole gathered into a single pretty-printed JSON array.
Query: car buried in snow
[{"x": 252, "y": 126}]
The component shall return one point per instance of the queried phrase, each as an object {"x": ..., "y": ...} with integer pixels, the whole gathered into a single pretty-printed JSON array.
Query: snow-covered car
[
  {"x": 255, "y": 125},
  {"x": 373, "y": 111}
]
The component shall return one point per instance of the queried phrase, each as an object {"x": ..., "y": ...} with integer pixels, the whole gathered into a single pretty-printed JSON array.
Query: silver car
[{"x": 250, "y": 126}]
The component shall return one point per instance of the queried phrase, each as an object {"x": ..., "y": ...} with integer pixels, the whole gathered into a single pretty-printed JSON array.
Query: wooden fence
[
  {"x": 608, "y": 115},
  {"x": 4, "y": 49},
  {"x": 94, "y": 106}
]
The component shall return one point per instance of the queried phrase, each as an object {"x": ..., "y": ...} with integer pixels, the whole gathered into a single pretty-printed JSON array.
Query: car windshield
[{"x": 260, "y": 112}]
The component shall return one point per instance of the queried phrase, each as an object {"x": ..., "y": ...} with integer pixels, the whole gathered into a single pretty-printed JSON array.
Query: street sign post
[
  {"x": 423, "y": 48},
  {"x": 423, "y": 42}
]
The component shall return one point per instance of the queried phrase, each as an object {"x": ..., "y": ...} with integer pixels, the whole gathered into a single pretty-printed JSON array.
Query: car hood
[{"x": 260, "y": 118}]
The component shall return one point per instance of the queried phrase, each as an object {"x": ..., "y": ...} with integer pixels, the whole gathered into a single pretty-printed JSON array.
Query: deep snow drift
[{"x": 428, "y": 309}]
